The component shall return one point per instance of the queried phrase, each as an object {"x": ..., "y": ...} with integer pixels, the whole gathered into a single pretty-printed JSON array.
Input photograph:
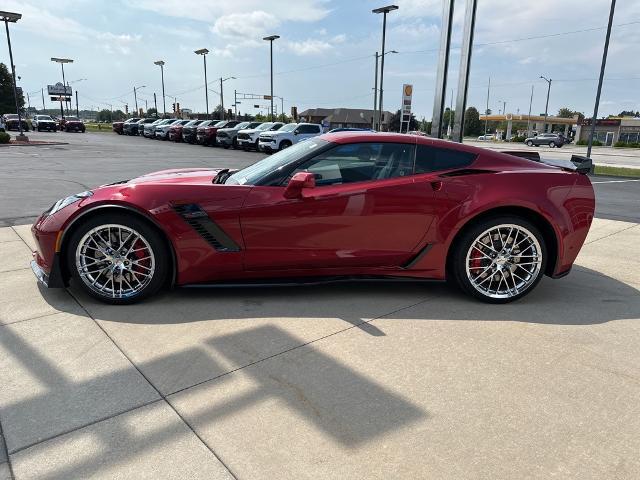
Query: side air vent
[
  {"x": 465, "y": 172},
  {"x": 193, "y": 214}
]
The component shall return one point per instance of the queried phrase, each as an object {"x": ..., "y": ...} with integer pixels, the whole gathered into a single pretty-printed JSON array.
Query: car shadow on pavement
[{"x": 584, "y": 297}]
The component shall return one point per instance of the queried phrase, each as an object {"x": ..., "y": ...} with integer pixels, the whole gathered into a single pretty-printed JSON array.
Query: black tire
[
  {"x": 530, "y": 143},
  {"x": 466, "y": 239},
  {"x": 552, "y": 144},
  {"x": 38, "y": 128},
  {"x": 154, "y": 239},
  {"x": 255, "y": 145},
  {"x": 285, "y": 144}
]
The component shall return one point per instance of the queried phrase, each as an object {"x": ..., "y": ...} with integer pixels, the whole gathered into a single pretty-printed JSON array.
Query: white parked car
[
  {"x": 248, "y": 138},
  {"x": 162, "y": 129},
  {"x": 44, "y": 122},
  {"x": 486, "y": 137},
  {"x": 288, "y": 135}
]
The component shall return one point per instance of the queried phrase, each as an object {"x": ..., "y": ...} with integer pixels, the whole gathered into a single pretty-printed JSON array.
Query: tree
[
  {"x": 448, "y": 116},
  {"x": 7, "y": 100},
  {"x": 565, "y": 112},
  {"x": 394, "y": 123},
  {"x": 152, "y": 112},
  {"x": 472, "y": 124},
  {"x": 629, "y": 113},
  {"x": 104, "y": 116}
]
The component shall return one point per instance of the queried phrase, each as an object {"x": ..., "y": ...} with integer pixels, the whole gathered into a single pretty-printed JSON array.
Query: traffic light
[
  {"x": 178, "y": 108},
  {"x": 294, "y": 113},
  {"x": 174, "y": 107},
  {"x": 126, "y": 109}
]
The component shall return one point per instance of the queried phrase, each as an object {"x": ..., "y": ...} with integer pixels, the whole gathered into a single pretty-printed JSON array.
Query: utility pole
[
  {"x": 203, "y": 52},
  {"x": 529, "y": 117},
  {"x": 222, "y": 100},
  {"x": 77, "y": 110},
  {"x": 13, "y": 18},
  {"x": 604, "y": 63},
  {"x": 43, "y": 106},
  {"x": 375, "y": 95},
  {"x": 546, "y": 108},
  {"x": 160, "y": 63},
  {"x": 486, "y": 112},
  {"x": 155, "y": 102}
]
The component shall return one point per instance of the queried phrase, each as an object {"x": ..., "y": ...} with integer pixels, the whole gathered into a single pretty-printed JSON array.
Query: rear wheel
[
  {"x": 118, "y": 258},
  {"x": 552, "y": 144},
  {"x": 285, "y": 144},
  {"x": 530, "y": 143},
  {"x": 500, "y": 259}
]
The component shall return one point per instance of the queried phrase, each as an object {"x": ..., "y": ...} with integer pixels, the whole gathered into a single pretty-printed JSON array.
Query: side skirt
[{"x": 307, "y": 282}]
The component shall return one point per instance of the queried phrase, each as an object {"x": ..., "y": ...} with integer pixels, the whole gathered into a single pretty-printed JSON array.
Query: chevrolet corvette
[{"x": 341, "y": 206}]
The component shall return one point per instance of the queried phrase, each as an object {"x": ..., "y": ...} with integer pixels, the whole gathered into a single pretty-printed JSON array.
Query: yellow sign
[{"x": 408, "y": 90}]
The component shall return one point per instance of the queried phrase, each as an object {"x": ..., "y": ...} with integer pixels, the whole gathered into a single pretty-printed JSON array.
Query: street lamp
[
  {"x": 222, "y": 94},
  {"x": 270, "y": 39},
  {"x": 135, "y": 96},
  {"x": 160, "y": 63},
  {"x": 62, "y": 61},
  {"x": 13, "y": 18},
  {"x": 203, "y": 52},
  {"x": 384, "y": 11},
  {"x": 375, "y": 89},
  {"x": 546, "y": 108}
]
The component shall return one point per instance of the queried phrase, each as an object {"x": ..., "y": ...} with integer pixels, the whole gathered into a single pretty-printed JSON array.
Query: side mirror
[
  {"x": 298, "y": 182},
  {"x": 295, "y": 132}
]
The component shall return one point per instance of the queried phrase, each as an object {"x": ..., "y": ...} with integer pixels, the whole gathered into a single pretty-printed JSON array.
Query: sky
[{"x": 325, "y": 56}]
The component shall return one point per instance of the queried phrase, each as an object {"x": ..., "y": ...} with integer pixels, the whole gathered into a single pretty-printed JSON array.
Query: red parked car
[
  {"x": 207, "y": 135},
  {"x": 334, "y": 207},
  {"x": 175, "y": 131}
]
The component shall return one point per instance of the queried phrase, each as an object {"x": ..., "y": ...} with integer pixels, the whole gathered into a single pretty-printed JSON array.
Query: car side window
[
  {"x": 360, "y": 162},
  {"x": 432, "y": 159},
  {"x": 307, "y": 129}
]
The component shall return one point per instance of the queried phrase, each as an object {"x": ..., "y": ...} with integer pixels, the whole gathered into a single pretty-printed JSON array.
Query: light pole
[
  {"x": 13, "y": 18},
  {"x": 546, "y": 108},
  {"x": 222, "y": 80},
  {"x": 62, "y": 61},
  {"x": 270, "y": 39},
  {"x": 602, "y": 66},
  {"x": 529, "y": 117},
  {"x": 384, "y": 11},
  {"x": 160, "y": 63},
  {"x": 203, "y": 52},
  {"x": 135, "y": 96},
  {"x": 375, "y": 88}
]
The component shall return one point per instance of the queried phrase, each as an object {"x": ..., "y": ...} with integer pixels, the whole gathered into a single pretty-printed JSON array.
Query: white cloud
[
  {"x": 340, "y": 38},
  {"x": 245, "y": 25},
  {"x": 118, "y": 43},
  {"x": 211, "y": 11},
  {"x": 309, "y": 47}
]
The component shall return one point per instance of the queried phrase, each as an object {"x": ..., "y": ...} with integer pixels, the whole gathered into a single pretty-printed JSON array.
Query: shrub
[
  {"x": 4, "y": 137},
  {"x": 518, "y": 139},
  {"x": 581, "y": 142},
  {"x": 626, "y": 145},
  {"x": 595, "y": 143}
]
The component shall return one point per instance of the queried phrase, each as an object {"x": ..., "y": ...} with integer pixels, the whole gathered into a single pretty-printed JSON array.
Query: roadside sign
[
  {"x": 256, "y": 106},
  {"x": 59, "y": 89},
  {"x": 60, "y": 99},
  {"x": 407, "y": 94},
  {"x": 268, "y": 97}
]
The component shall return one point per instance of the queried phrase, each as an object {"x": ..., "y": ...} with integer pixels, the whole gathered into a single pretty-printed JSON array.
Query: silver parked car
[{"x": 552, "y": 139}]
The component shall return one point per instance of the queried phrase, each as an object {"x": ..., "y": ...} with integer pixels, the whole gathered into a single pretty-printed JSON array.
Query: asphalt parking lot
[{"x": 344, "y": 381}]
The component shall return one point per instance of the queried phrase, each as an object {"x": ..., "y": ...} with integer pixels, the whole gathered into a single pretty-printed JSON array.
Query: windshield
[
  {"x": 253, "y": 173},
  {"x": 221, "y": 123},
  {"x": 44, "y": 117},
  {"x": 11, "y": 116},
  {"x": 242, "y": 125},
  {"x": 264, "y": 126},
  {"x": 75, "y": 119},
  {"x": 289, "y": 127}
]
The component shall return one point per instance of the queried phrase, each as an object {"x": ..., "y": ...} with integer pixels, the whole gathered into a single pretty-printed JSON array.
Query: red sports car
[{"x": 339, "y": 206}]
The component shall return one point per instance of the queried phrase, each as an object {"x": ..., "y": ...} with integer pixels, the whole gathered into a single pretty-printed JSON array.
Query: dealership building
[
  {"x": 610, "y": 130},
  {"x": 343, "y": 117}
]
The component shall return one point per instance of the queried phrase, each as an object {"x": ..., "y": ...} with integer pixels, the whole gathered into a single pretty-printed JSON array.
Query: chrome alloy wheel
[
  {"x": 115, "y": 261},
  {"x": 503, "y": 261}
]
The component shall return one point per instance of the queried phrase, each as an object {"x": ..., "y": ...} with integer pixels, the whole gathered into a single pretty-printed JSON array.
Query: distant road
[{"x": 619, "y": 157}]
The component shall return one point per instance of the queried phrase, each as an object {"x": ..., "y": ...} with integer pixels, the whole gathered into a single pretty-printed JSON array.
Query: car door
[{"x": 367, "y": 210}]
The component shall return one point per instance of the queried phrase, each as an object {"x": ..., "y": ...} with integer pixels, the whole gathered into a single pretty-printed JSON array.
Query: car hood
[
  {"x": 173, "y": 176},
  {"x": 250, "y": 131},
  {"x": 227, "y": 130}
]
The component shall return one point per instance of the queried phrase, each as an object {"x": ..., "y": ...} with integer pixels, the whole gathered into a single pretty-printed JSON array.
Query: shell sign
[{"x": 408, "y": 90}]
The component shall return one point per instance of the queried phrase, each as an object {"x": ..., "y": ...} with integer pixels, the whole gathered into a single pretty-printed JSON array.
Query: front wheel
[
  {"x": 499, "y": 260},
  {"x": 530, "y": 143},
  {"x": 117, "y": 258},
  {"x": 552, "y": 145},
  {"x": 285, "y": 144}
]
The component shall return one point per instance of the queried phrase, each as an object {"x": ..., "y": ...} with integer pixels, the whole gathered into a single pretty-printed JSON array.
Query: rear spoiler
[{"x": 578, "y": 163}]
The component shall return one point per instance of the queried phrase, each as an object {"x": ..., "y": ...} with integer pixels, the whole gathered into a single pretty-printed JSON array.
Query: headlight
[{"x": 63, "y": 202}]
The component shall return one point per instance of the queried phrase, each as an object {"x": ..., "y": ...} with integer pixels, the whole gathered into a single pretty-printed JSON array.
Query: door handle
[{"x": 436, "y": 185}]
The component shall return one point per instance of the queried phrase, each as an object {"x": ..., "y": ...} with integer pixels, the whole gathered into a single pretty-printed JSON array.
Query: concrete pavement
[{"x": 349, "y": 381}]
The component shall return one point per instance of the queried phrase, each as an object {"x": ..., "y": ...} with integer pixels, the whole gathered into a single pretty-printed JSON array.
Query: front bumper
[
  {"x": 52, "y": 279},
  {"x": 224, "y": 140}
]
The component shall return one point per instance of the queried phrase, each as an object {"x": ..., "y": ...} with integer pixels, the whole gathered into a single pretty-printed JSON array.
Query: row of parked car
[
  {"x": 260, "y": 136},
  {"x": 10, "y": 121}
]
